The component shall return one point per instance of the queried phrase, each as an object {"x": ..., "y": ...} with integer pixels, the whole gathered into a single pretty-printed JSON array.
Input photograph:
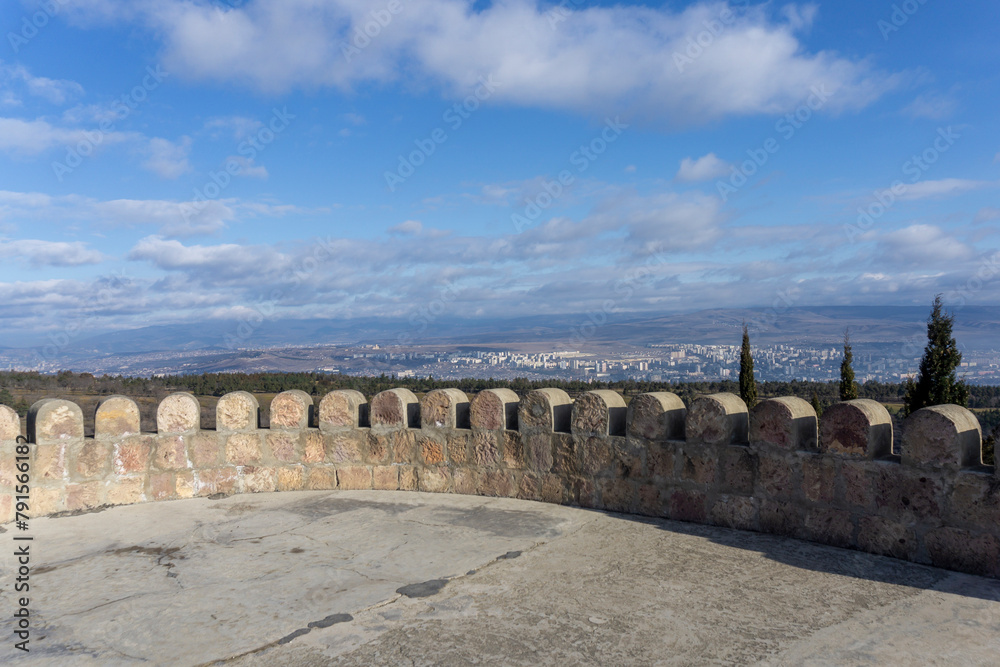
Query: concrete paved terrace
[{"x": 372, "y": 578}]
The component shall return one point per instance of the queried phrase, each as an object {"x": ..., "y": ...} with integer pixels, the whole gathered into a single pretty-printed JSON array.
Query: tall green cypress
[
  {"x": 936, "y": 383},
  {"x": 848, "y": 387},
  {"x": 748, "y": 386}
]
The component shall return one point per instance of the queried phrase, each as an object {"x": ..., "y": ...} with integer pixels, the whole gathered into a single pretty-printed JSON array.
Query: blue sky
[{"x": 174, "y": 161}]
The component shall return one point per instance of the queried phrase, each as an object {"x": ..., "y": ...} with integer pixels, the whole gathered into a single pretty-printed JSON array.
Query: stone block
[
  {"x": 431, "y": 451},
  {"x": 486, "y": 448},
  {"x": 184, "y": 484},
  {"x": 565, "y": 458},
  {"x": 861, "y": 428},
  {"x": 737, "y": 465},
  {"x": 50, "y": 462},
  {"x": 344, "y": 408},
  {"x": 529, "y": 488},
  {"x": 494, "y": 410},
  {"x": 408, "y": 478},
  {"x": 964, "y": 551},
  {"x": 259, "y": 479},
  {"x": 779, "y": 517},
  {"x": 321, "y": 478},
  {"x": 776, "y": 476},
  {"x": 116, "y": 416},
  {"x": 688, "y": 506},
  {"x": 717, "y": 419},
  {"x": 351, "y": 478},
  {"x": 554, "y": 489},
  {"x": 444, "y": 408},
  {"x": 395, "y": 408},
  {"x": 345, "y": 447},
  {"x": 244, "y": 449},
  {"x": 10, "y": 424},
  {"x": 178, "y": 413},
  {"x": 46, "y": 501},
  {"x": 433, "y": 480},
  {"x": 656, "y": 416},
  {"x": 284, "y": 446},
  {"x": 93, "y": 459},
  {"x": 84, "y": 496},
  {"x": 498, "y": 483},
  {"x": 888, "y": 538},
  {"x": 386, "y": 478},
  {"x": 598, "y": 413},
  {"x": 54, "y": 421},
  {"x": 819, "y": 479},
  {"x": 237, "y": 411},
  {"x": 660, "y": 461},
  {"x": 170, "y": 453},
  {"x": 161, "y": 486},
  {"x": 942, "y": 436},
  {"x": 133, "y": 455},
  {"x": 291, "y": 478},
  {"x": 651, "y": 501},
  {"x": 314, "y": 449},
  {"x": 125, "y": 491},
  {"x": 291, "y": 410},
  {"x": 538, "y": 451},
  {"x": 216, "y": 480},
  {"x": 975, "y": 499},
  {"x": 513, "y": 450},
  {"x": 546, "y": 411},
  {"x": 830, "y": 526},
  {"x": 458, "y": 447},
  {"x": 596, "y": 456},
  {"x": 698, "y": 467},
  {"x": 902, "y": 492},
  {"x": 735, "y": 512},
  {"x": 859, "y": 486},
  {"x": 787, "y": 423},
  {"x": 206, "y": 449},
  {"x": 404, "y": 447}
]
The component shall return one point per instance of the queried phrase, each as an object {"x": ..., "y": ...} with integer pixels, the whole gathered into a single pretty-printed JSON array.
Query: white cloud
[
  {"x": 248, "y": 169},
  {"x": 623, "y": 59},
  {"x": 705, "y": 168},
  {"x": 239, "y": 126},
  {"x": 55, "y": 91},
  {"x": 987, "y": 214},
  {"x": 932, "y": 106},
  {"x": 168, "y": 159},
  {"x": 30, "y": 137},
  {"x": 921, "y": 246},
  {"x": 947, "y": 187},
  {"x": 407, "y": 228},
  {"x": 37, "y": 253}
]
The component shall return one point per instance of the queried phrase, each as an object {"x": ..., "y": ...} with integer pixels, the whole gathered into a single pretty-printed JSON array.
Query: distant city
[{"x": 679, "y": 362}]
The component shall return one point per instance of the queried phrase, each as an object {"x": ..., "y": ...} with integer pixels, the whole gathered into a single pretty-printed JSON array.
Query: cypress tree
[
  {"x": 748, "y": 386},
  {"x": 936, "y": 382},
  {"x": 816, "y": 405},
  {"x": 848, "y": 387}
]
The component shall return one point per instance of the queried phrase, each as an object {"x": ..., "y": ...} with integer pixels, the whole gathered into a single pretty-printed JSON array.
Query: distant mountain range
[{"x": 976, "y": 327}]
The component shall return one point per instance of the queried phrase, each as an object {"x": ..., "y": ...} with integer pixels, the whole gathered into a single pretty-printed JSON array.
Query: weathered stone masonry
[{"x": 776, "y": 469}]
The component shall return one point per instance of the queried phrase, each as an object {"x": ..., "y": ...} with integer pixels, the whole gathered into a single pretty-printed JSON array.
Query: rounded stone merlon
[
  {"x": 344, "y": 408},
  {"x": 942, "y": 436},
  {"x": 657, "y": 416},
  {"x": 599, "y": 412},
  {"x": 861, "y": 428},
  {"x": 52, "y": 420},
  {"x": 292, "y": 409},
  {"x": 549, "y": 410},
  {"x": 178, "y": 413},
  {"x": 116, "y": 416},
  {"x": 717, "y": 419},
  {"x": 787, "y": 422},
  {"x": 396, "y": 408},
  {"x": 237, "y": 411},
  {"x": 10, "y": 424},
  {"x": 444, "y": 408},
  {"x": 494, "y": 409}
]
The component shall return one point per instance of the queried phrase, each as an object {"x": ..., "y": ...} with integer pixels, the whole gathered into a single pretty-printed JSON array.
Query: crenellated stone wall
[{"x": 775, "y": 469}]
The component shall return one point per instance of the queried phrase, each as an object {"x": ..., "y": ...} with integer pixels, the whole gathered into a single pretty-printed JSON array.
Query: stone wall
[{"x": 776, "y": 469}]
